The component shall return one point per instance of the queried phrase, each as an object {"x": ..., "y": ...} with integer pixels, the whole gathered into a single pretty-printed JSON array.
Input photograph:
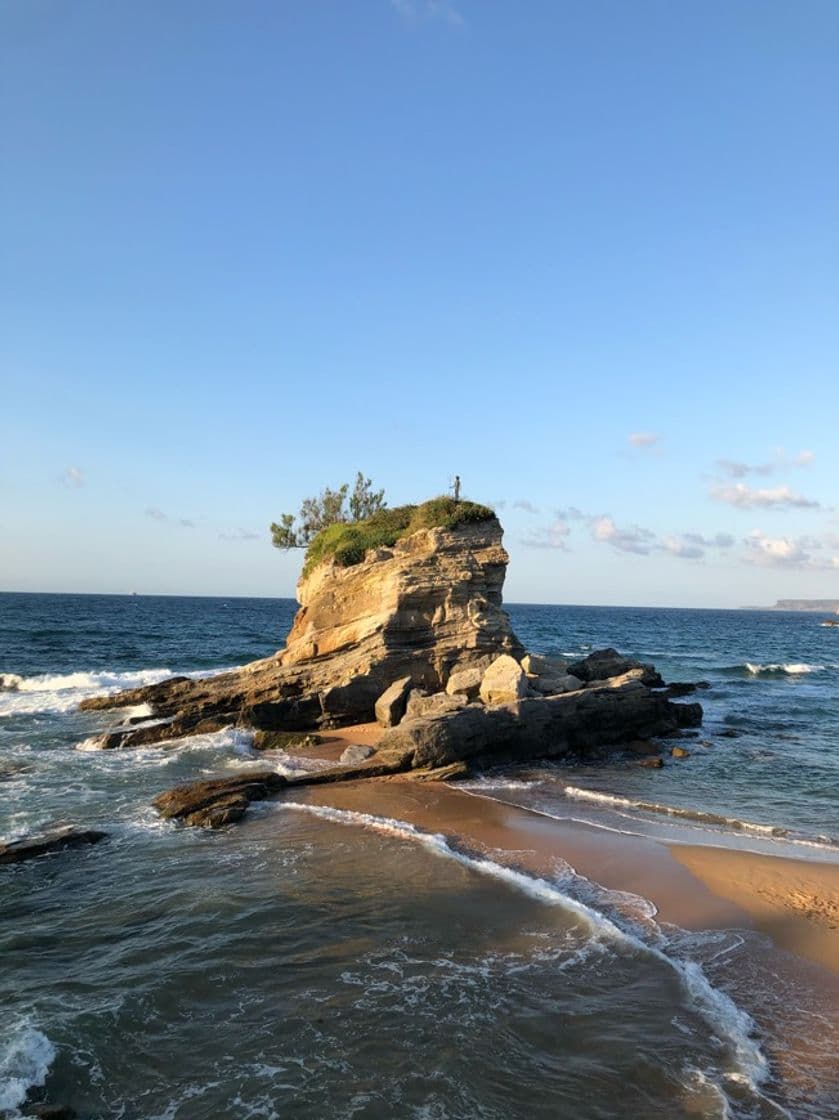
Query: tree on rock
[{"x": 330, "y": 507}]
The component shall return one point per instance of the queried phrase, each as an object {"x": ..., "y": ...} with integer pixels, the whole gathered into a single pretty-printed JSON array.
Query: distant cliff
[{"x": 830, "y": 605}]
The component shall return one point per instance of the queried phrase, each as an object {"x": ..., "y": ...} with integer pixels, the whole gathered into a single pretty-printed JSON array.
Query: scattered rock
[
  {"x": 538, "y": 665},
  {"x": 421, "y": 706},
  {"x": 584, "y": 721},
  {"x": 632, "y": 678},
  {"x": 504, "y": 682},
  {"x": 466, "y": 682},
  {"x": 10, "y": 770},
  {"x": 455, "y": 772},
  {"x": 679, "y": 752},
  {"x": 29, "y": 847},
  {"x": 679, "y": 688},
  {"x": 606, "y": 663},
  {"x": 651, "y": 763},
  {"x": 729, "y": 733},
  {"x": 284, "y": 740},
  {"x": 219, "y": 801},
  {"x": 643, "y": 746},
  {"x": 390, "y": 707},
  {"x": 355, "y": 753}
]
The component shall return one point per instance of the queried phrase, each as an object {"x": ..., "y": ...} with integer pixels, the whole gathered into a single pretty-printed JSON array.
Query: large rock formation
[{"x": 426, "y": 608}]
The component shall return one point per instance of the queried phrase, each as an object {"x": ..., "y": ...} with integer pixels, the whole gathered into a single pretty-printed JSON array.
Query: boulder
[
  {"x": 390, "y": 707},
  {"x": 651, "y": 763},
  {"x": 679, "y": 752},
  {"x": 643, "y": 746},
  {"x": 538, "y": 665},
  {"x": 355, "y": 753},
  {"x": 580, "y": 722},
  {"x": 465, "y": 682},
  {"x": 421, "y": 706},
  {"x": 284, "y": 740},
  {"x": 606, "y": 663},
  {"x": 218, "y": 801},
  {"x": 504, "y": 682},
  {"x": 66, "y": 836}
]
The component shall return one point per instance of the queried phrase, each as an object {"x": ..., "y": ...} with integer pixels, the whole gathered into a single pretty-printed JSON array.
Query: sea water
[{"x": 313, "y": 962}]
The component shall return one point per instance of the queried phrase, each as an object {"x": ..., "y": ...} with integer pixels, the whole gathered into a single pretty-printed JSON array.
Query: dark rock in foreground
[
  {"x": 219, "y": 801},
  {"x": 30, "y": 847}
]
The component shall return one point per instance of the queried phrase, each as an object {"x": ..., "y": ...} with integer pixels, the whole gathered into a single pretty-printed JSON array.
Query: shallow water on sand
[{"x": 314, "y": 964}]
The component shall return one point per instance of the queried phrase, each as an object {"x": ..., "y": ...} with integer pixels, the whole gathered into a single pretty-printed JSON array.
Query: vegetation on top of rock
[
  {"x": 330, "y": 507},
  {"x": 346, "y": 542}
]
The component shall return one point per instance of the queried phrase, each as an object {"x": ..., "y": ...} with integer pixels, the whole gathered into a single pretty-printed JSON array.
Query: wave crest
[{"x": 25, "y": 1059}]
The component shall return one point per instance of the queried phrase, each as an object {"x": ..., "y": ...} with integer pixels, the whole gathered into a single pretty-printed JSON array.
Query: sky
[{"x": 583, "y": 253}]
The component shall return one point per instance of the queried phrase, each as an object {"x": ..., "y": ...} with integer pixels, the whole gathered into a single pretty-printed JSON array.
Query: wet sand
[{"x": 796, "y": 903}]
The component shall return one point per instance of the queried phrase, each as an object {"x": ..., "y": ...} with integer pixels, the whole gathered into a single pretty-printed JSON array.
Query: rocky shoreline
[{"x": 415, "y": 637}]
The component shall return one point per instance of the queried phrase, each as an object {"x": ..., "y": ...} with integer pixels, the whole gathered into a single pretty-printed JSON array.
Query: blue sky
[{"x": 584, "y": 254}]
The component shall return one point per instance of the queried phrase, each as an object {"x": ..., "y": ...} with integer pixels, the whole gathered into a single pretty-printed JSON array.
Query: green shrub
[{"x": 348, "y": 541}]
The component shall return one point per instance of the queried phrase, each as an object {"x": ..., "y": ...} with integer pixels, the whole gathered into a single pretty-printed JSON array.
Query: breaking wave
[
  {"x": 697, "y": 816},
  {"x": 728, "y": 1021},
  {"x": 773, "y": 669},
  {"x": 25, "y": 1058},
  {"x": 61, "y": 692}
]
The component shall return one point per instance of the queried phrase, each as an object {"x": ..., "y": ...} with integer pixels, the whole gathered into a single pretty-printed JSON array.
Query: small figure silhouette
[{"x": 457, "y": 487}]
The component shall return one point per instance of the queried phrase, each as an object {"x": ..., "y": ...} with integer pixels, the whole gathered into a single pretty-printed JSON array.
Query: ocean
[{"x": 314, "y": 962}]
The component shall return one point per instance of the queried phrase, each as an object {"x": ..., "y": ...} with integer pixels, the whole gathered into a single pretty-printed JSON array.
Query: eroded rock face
[
  {"x": 537, "y": 727},
  {"x": 424, "y": 609}
]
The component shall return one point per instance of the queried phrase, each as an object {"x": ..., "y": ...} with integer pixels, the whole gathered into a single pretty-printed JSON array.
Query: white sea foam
[
  {"x": 785, "y": 668},
  {"x": 61, "y": 692},
  {"x": 26, "y": 1055},
  {"x": 695, "y": 816},
  {"x": 723, "y": 1016}
]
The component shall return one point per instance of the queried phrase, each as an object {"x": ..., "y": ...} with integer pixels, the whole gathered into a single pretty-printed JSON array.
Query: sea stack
[{"x": 401, "y": 620}]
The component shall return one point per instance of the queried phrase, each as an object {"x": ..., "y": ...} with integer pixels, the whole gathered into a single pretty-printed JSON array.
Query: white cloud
[
  {"x": 239, "y": 535},
  {"x": 155, "y": 513},
  {"x": 682, "y": 548},
  {"x": 734, "y": 468},
  {"x": 553, "y": 536},
  {"x": 632, "y": 538},
  {"x": 643, "y": 439},
  {"x": 528, "y": 507},
  {"x": 742, "y": 496},
  {"x": 73, "y": 477},
  {"x": 776, "y": 552}
]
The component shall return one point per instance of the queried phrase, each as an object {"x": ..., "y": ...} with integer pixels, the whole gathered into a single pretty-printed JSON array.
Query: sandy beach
[{"x": 794, "y": 902}]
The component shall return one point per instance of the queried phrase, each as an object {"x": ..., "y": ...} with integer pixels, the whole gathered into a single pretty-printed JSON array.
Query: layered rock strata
[{"x": 425, "y": 609}]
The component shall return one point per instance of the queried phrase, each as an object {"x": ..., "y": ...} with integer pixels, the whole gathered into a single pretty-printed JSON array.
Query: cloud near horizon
[
  {"x": 631, "y": 538},
  {"x": 790, "y": 552},
  {"x": 527, "y": 506},
  {"x": 634, "y": 539},
  {"x": 741, "y": 496}
]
